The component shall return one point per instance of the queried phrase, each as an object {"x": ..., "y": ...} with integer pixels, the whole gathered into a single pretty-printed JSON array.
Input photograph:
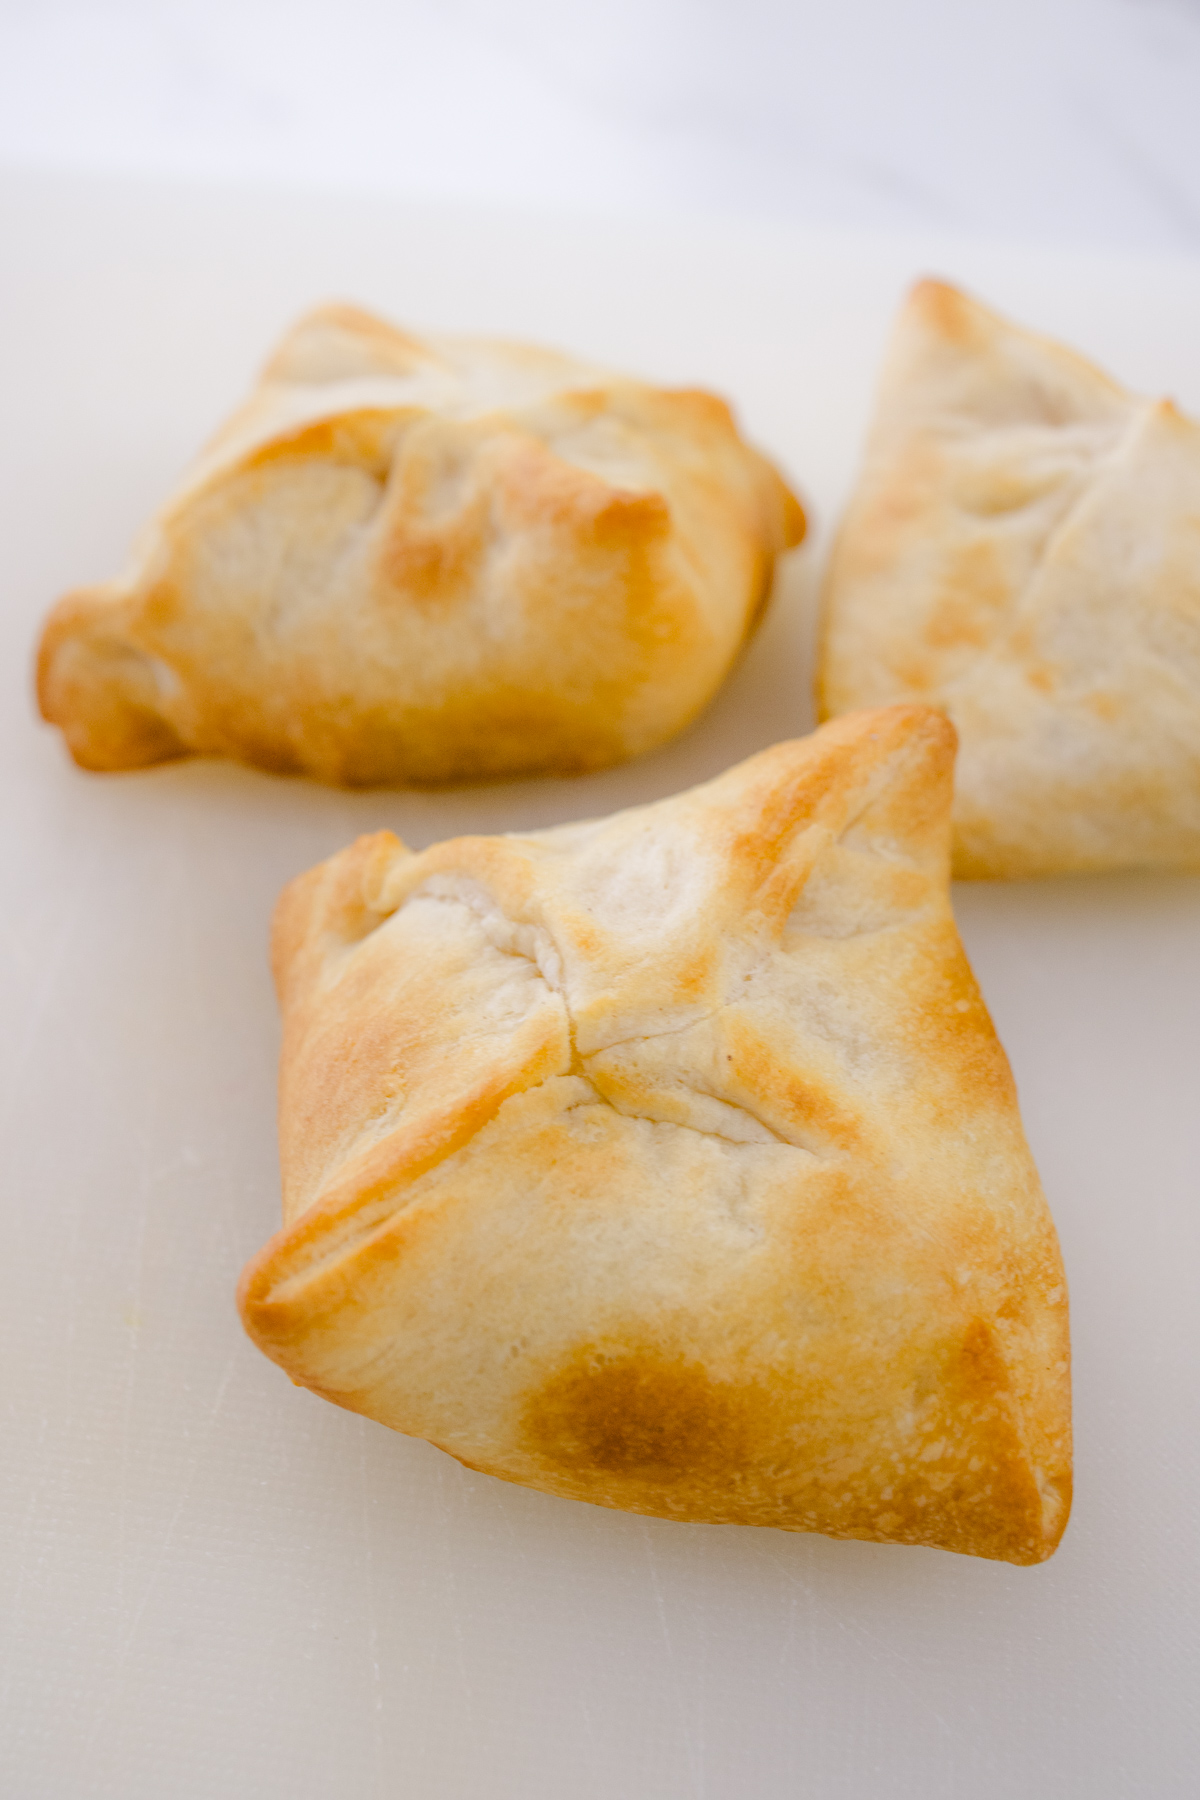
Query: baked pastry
[
  {"x": 1023, "y": 550},
  {"x": 670, "y": 1161},
  {"x": 425, "y": 560}
]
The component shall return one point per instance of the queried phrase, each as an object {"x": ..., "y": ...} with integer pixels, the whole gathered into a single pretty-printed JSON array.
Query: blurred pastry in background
[
  {"x": 428, "y": 560},
  {"x": 1023, "y": 551}
]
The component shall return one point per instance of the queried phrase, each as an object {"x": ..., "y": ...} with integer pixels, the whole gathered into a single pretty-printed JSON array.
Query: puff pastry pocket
[
  {"x": 425, "y": 560},
  {"x": 1023, "y": 551},
  {"x": 671, "y": 1162}
]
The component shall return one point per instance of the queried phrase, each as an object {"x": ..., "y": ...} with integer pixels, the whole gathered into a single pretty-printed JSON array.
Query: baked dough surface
[
  {"x": 425, "y": 560},
  {"x": 670, "y": 1161},
  {"x": 1023, "y": 550}
]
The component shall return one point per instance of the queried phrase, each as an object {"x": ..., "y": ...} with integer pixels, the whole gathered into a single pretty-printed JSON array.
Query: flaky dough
[
  {"x": 428, "y": 560},
  {"x": 1023, "y": 550},
  {"x": 671, "y": 1161}
]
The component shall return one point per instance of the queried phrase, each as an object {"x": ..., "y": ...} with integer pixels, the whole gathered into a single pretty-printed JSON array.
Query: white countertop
[
  {"x": 1040, "y": 121},
  {"x": 216, "y": 1587}
]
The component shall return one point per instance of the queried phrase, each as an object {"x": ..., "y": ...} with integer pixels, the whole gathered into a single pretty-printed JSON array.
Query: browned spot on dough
[
  {"x": 364, "y": 439},
  {"x": 915, "y": 671},
  {"x": 695, "y": 972},
  {"x": 956, "y": 622},
  {"x": 783, "y": 1097},
  {"x": 973, "y": 595},
  {"x": 433, "y": 565},
  {"x": 951, "y": 1022},
  {"x": 970, "y": 1487},
  {"x": 631, "y": 1412},
  {"x": 635, "y": 1426},
  {"x": 946, "y": 311},
  {"x": 980, "y": 1373}
]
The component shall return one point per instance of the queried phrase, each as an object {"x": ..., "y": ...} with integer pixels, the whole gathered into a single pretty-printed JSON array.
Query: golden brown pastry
[
  {"x": 670, "y": 1161},
  {"x": 428, "y": 560},
  {"x": 1023, "y": 550}
]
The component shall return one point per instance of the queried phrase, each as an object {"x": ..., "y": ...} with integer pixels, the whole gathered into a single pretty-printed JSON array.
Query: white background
[{"x": 1062, "y": 121}]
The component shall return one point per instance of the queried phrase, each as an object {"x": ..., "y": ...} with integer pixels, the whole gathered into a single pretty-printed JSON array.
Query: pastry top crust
[
  {"x": 670, "y": 1161},
  {"x": 1023, "y": 550},
  {"x": 428, "y": 559}
]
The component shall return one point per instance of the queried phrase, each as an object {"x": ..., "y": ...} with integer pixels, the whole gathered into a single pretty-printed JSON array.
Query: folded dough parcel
[
  {"x": 428, "y": 559},
  {"x": 1023, "y": 551},
  {"x": 670, "y": 1161}
]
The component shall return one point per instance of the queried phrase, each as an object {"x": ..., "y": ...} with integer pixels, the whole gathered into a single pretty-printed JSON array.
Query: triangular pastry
[
  {"x": 428, "y": 559},
  {"x": 1023, "y": 550},
  {"x": 671, "y": 1162}
]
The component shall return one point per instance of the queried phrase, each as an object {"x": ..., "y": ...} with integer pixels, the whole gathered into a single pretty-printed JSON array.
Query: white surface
[
  {"x": 1042, "y": 120},
  {"x": 213, "y": 1585}
]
